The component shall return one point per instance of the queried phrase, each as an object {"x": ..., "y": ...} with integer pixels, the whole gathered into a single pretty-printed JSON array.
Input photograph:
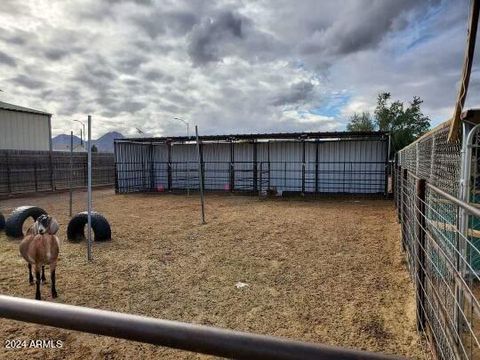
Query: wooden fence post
[
  {"x": 420, "y": 251},
  {"x": 52, "y": 183}
]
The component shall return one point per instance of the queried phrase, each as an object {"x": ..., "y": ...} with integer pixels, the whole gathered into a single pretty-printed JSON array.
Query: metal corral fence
[
  {"x": 436, "y": 197},
  {"x": 174, "y": 334},
  {"x": 342, "y": 162},
  {"x": 34, "y": 171}
]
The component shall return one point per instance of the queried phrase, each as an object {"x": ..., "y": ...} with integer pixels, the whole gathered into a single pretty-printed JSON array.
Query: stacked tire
[
  {"x": 100, "y": 226},
  {"x": 2, "y": 221},
  {"x": 14, "y": 223}
]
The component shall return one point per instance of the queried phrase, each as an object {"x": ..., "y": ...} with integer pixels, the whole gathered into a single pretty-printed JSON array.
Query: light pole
[
  {"x": 188, "y": 162},
  {"x": 81, "y": 136},
  {"x": 186, "y": 123}
]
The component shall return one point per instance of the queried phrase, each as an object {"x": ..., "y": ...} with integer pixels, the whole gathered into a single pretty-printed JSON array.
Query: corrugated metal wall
[
  {"x": 184, "y": 167},
  {"x": 335, "y": 166},
  {"x": 24, "y": 131}
]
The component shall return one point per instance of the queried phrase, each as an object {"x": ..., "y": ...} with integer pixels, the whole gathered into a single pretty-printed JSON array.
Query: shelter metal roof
[
  {"x": 343, "y": 135},
  {"x": 12, "y": 107}
]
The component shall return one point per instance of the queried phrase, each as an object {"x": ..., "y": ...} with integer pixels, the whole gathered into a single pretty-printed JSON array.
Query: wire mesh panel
[
  {"x": 409, "y": 234},
  {"x": 435, "y": 159},
  {"x": 441, "y": 238}
]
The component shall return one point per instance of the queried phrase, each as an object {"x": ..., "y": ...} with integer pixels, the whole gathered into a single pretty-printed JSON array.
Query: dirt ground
[{"x": 327, "y": 271}]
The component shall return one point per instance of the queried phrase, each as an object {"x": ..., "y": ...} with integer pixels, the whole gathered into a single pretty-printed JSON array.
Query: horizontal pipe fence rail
[
  {"x": 178, "y": 335},
  {"x": 261, "y": 165},
  {"x": 35, "y": 171},
  {"x": 435, "y": 184}
]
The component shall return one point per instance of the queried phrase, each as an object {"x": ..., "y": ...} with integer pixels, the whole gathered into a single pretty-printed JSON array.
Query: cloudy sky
[{"x": 229, "y": 66}]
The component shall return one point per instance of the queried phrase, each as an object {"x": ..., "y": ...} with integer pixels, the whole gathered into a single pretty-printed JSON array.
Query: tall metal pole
[
  {"x": 188, "y": 163},
  {"x": 188, "y": 166},
  {"x": 200, "y": 176},
  {"x": 71, "y": 170},
  {"x": 89, "y": 190}
]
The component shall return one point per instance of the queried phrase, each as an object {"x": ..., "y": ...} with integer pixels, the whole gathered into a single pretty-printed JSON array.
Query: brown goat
[{"x": 41, "y": 247}]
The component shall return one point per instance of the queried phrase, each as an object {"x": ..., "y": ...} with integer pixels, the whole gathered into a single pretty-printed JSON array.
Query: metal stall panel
[
  {"x": 352, "y": 166},
  {"x": 243, "y": 166},
  {"x": 132, "y": 167},
  {"x": 216, "y": 158},
  {"x": 159, "y": 167},
  {"x": 185, "y": 167},
  {"x": 263, "y": 166},
  {"x": 286, "y": 166},
  {"x": 310, "y": 166}
]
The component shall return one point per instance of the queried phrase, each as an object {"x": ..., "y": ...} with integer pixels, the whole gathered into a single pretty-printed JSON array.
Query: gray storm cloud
[{"x": 228, "y": 66}]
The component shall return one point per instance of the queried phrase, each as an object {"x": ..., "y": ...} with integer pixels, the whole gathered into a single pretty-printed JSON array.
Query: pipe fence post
[
  {"x": 70, "y": 175},
  {"x": 89, "y": 190},
  {"x": 268, "y": 166},
  {"x": 420, "y": 251},
  {"x": 316, "y": 167},
  {"x": 200, "y": 175},
  {"x": 232, "y": 166}
]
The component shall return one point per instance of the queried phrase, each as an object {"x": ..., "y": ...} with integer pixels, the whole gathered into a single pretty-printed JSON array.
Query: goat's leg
[
  {"x": 30, "y": 276},
  {"x": 37, "y": 291},
  {"x": 44, "y": 280},
  {"x": 52, "y": 275}
]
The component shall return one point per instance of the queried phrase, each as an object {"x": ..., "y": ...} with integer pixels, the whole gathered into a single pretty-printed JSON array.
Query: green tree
[
  {"x": 361, "y": 122},
  {"x": 94, "y": 148},
  {"x": 405, "y": 123}
]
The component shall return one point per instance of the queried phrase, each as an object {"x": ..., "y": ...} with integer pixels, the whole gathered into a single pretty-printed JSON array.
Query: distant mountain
[
  {"x": 63, "y": 140},
  {"x": 103, "y": 144}
]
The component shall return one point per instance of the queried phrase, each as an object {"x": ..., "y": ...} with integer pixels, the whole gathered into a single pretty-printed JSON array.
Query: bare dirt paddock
[{"x": 328, "y": 271}]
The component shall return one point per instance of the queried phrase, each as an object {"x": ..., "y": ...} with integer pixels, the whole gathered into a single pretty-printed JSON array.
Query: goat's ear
[{"x": 53, "y": 228}]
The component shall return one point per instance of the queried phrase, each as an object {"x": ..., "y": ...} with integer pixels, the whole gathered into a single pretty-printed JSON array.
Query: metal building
[
  {"x": 310, "y": 162},
  {"x": 22, "y": 128}
]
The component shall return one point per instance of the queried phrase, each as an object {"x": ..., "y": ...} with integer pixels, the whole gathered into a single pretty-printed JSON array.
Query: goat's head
[{"x": 47, "y": 224}]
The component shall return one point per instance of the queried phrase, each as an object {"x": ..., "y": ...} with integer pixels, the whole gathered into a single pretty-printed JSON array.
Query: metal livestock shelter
[{"x": 280, "y": 163}]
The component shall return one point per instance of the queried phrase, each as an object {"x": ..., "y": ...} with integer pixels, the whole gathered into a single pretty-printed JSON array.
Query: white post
[{"x": 89, "y": 190}]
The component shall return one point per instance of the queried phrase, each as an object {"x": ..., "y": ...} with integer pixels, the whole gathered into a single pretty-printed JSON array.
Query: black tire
[
  {"x": 14, "y": 223},
  {"x": 100, "y": 226},
  {"x": 2, "y": 222}
]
